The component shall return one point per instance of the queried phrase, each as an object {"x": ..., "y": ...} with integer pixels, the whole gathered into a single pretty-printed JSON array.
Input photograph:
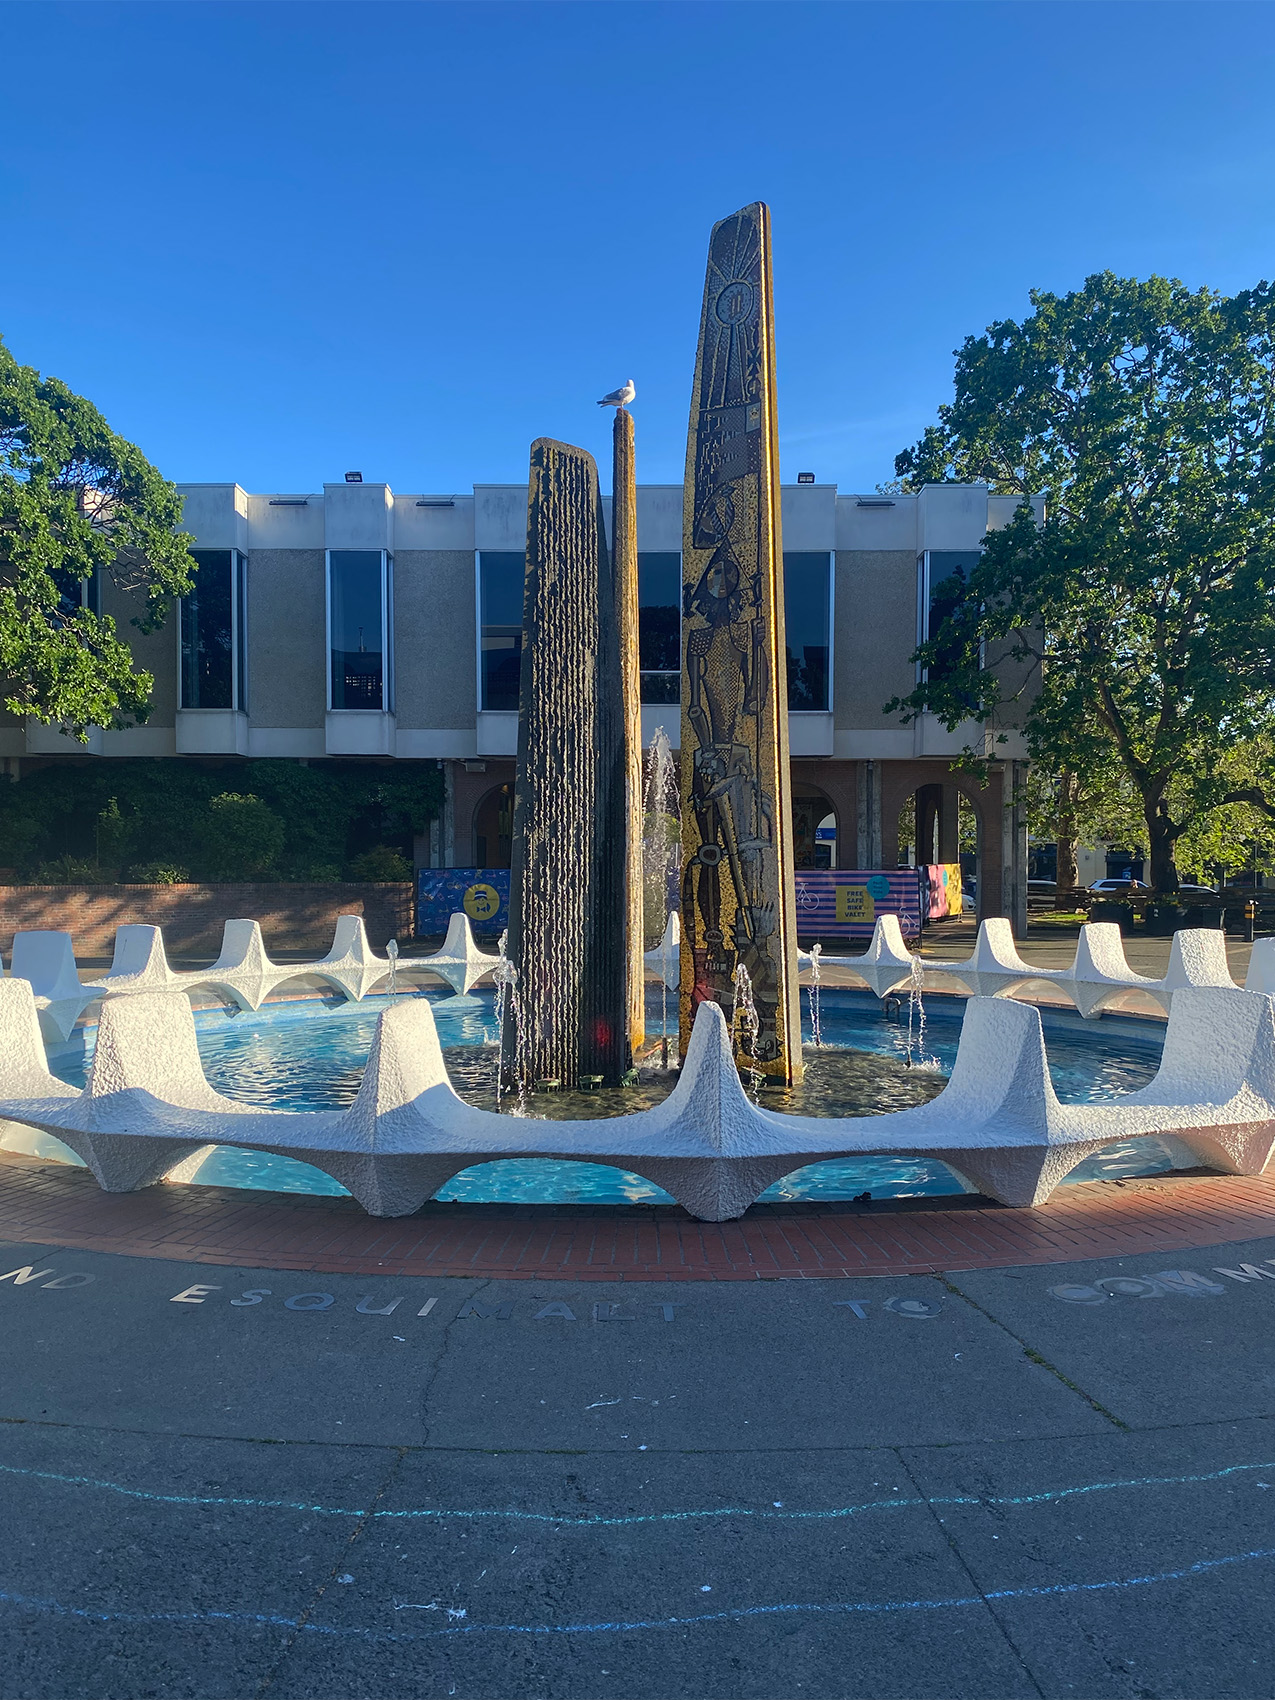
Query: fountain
[{"x": 567, "y": 975}]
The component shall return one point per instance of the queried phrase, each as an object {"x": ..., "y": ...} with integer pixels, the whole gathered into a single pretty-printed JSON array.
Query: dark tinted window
[
  {"x": 949, "y": 577},
  {"x": 356, "y": 628},
  {"x": 207, "y": 632},
  {"x": 807, "y": 580},
  {"x": 660, "y": 626},
  {"x": 501, "y": 576}
]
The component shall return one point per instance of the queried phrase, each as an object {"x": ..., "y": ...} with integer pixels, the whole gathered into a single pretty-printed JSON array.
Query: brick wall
[{"x": 293, "y": 917}]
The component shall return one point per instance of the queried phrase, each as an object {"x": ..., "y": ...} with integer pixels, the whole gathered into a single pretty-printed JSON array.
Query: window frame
[
  {"x": 480, "y": 679},
  {"x": 661, "y": 672},
  {"x": 238, "y": 635},
  {"x": 924, "y": 601},
  {"x": 830, "y": 555},
  {"x": 387, "y": 629}
]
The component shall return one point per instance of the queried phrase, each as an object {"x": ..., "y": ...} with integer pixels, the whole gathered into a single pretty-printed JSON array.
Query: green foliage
[
  {"x": 242, "y": 836},
  {"x": 381, "y": 862},
  {"x": 301, "y": 823},
  {"x": 1138, "y": 621},
  {"x": 76, "y": 500},
  {"x": 158, "y": 873},
  {"x": 69, "y": 870}
]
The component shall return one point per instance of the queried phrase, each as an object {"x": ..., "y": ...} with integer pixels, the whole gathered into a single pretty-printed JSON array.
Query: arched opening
[
  {"x": 814, "y": 828},
  {"x": 942, "y": 822},
  {"x": 494, "y": 828},
  {"x": 541, "y": 1180}
]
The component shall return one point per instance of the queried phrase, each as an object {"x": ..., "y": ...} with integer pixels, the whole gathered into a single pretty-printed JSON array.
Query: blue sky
[{"x": 278, "y": 241}]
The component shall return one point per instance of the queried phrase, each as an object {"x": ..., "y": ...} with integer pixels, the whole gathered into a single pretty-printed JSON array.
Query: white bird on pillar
[{"x": 619, "y": 398}]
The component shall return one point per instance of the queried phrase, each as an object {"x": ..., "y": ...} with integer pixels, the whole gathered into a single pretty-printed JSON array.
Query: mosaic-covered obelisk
[
  {"x": 737, "y": 868},
  {"x": 567, "y": 886},
  {"x": 624, "y": 575}
]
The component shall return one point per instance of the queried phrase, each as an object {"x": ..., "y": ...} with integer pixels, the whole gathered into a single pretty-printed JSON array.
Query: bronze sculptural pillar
[
  {"x": 567, "y": 879},
  {"x": 624, "y": 576},
  {"x": 737, "y": 870}
]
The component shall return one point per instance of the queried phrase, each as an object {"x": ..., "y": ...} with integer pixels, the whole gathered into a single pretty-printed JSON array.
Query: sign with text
[
  {"x": 480, "y": 893},
  {"x": 845, "y": 903}
]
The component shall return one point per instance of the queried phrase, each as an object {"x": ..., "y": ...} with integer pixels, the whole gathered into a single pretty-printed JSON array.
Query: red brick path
[{"x": 61, "y": 1206}]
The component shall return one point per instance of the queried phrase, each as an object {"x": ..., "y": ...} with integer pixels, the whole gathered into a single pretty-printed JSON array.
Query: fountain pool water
[{"x": 308, "y": 1054}]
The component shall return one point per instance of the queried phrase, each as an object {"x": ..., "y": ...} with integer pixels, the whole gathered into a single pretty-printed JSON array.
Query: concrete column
[
  {"x": 1014, "y": 846},
  {"x": 869, "y": 852},
  {"x": 949, "y": 823}
]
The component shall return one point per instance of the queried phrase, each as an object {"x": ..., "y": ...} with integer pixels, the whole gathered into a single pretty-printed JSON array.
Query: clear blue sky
[{"x": 277, "y": 241}]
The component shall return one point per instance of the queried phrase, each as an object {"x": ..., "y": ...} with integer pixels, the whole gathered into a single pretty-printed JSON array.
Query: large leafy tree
[
  {"x": 1141, "y": 613},
  {"x": 76, "y": 501}
]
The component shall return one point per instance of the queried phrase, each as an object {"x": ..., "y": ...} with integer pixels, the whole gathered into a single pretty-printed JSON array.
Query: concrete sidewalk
[{"x": 1053, "y": 1481}]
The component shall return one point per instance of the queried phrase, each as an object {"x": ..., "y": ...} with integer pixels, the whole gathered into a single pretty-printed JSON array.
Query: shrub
[
  {"x": 382, "y": 862},
  {"x": 159, "y": 873},
  {"x": 69, "y": 870},
  {"x": 241, "y": 835}
]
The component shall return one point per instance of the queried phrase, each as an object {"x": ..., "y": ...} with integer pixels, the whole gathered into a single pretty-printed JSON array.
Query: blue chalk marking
[
  {"x": 443, "y": 1514},
  {"x": 739, "y": 1614}
]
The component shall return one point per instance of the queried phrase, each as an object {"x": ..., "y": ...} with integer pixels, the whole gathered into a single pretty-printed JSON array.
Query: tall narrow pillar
[
  {"x": 737, "y": 868},
  {"x": 624, "y": 574},
  {"x": 566, "y": 899}
]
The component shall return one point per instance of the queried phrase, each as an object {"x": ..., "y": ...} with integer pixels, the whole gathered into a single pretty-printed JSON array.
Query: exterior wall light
[
  {"x": 805, "y": 478},
  {"x": 354, "y": 478}
]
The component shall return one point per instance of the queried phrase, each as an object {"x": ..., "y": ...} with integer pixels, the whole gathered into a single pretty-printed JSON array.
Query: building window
[
  {"x": 942, "y": 577},
  {"x": 213, "y": 622},
  {"x": 500, "y": 586},
  {"x": 807, "y": 626},
  {"x": 360, "y": 621},
  {"x": 660, "y": 626},
  {"x": 77, "y": 593}
]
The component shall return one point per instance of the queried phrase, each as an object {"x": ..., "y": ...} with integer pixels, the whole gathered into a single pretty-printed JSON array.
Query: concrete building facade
[{"x": 357, "y": 622}]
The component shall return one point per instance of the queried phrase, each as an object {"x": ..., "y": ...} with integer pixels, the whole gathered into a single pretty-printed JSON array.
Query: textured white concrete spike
[
  {"x": 1100, "y": 972},
  {"x": 994, "y": 966},
  {"x": 47, "y": 961},
  {"x": 460, "y": 962},
  {"x": 665, "y": 961},
  {"x": 139, "y": 964},
  {"x": 886, "y": 964},
  {"x": 242, "y": 969},
  {"x": 1197, "y": 957},
  {"x": 1261, "y": 967}
]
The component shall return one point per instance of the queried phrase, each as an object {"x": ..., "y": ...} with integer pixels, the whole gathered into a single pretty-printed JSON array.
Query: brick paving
[{"x": 56, "y": 1205}]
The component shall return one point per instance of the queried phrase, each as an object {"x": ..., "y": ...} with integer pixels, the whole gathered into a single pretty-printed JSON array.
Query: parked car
[
  {"x": 1198, "y": 891},
  {"x": 1118, "y": 888}
]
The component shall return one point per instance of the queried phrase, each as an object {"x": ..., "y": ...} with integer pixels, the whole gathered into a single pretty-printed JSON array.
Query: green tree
[
  {"x": 1140, "y": 611},
  {"x": 76, "y": 500}
]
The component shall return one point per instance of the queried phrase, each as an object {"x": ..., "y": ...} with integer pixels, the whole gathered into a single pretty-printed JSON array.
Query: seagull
[{"x": 619, "y": 398}]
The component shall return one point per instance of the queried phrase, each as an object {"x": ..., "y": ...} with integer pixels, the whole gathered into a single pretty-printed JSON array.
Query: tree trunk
[
  {"x": 1068, "y": 874},
  {"x": 1163, "y": 874}
]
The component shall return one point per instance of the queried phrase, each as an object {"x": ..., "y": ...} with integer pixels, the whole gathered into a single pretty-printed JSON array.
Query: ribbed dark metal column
[{"x": 567, "y": 885}]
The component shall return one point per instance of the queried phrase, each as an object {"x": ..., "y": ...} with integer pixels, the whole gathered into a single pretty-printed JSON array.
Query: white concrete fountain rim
[{"x": 997, "y": 1122}]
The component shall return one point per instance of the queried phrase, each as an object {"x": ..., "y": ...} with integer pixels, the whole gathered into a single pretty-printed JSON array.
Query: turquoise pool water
[{"x": 309, "y": 1055}]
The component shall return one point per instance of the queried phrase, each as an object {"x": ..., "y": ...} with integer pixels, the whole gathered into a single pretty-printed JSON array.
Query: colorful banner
[
  {"x": 480, "y": 893},
  {"x": 844, "y": 903},
  {"x": 944, "y": 882}
]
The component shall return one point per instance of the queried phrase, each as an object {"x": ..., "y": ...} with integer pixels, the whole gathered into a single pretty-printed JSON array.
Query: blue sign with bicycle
[{"x": 845, "y": 902}]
